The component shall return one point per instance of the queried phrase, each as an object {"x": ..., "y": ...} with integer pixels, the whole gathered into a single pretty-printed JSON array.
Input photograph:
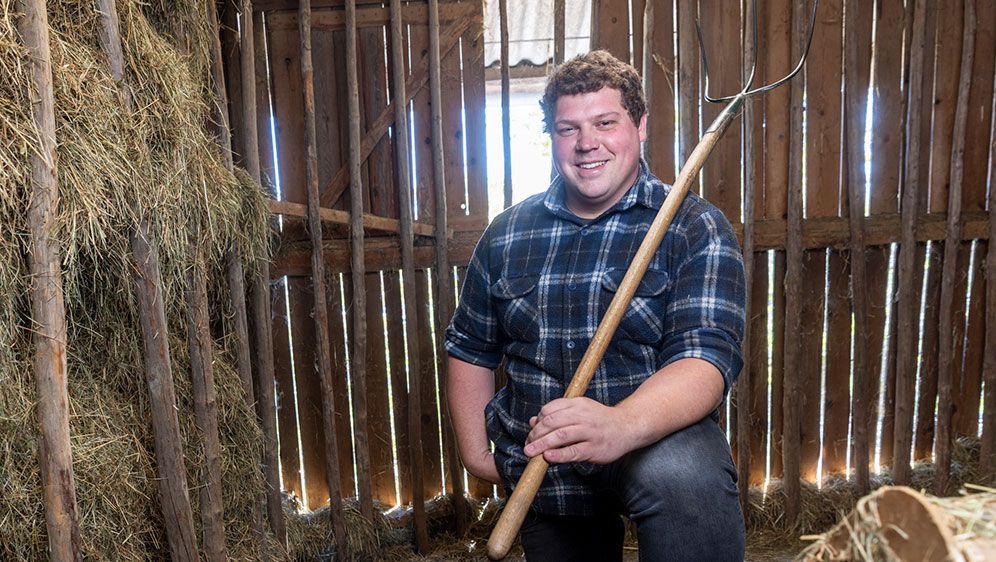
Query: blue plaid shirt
[{"x": 540, "y": 281}]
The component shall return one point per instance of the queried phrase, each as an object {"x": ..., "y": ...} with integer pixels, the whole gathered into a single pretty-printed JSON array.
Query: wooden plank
[
  {"x": 395, "y": 347},
  {"x": 721, "y": 172},
  {"x": 758, "y": 365},
  {"x": 857, "y": 64},
  {"x": 971, "y": 348},
  {"x": 838, "y": 367},
  {"x": 637, "y": 10},
  {"x": 229, "y": 69},
  {"x": 443, "y": 286},
  {"x": 48, "y": 309},
  {"x": 947, "y": 56},
  {"x": 286, "y": 410},
  {"x": 688, "y": 81},
  {"x": 927, "y": 382},
  {"x": 378, "y": 407},
  {"x": 610, "y": 27},
  {"x": 373, "y": 14},
  {"x": 421, "y": 125},
  {"x": 776, "y": 57},
  {"x": 308, "y": 386},
  {"x": 339, "y": 323},
  {"x": 887, "y": 119},
  {"x": 904, "y": 334},
  {"x": 336, "y": 216},
  {"x": 330, "y": 103},
  {"x": 793, "y": 288},
  {"x": 288, "y": 113},
  {"x": 259, "y": 163},
  {"x": 506, "y": 114},
  {"x": 823, "y": 114},
  {"x": 381, "y": 194},
  {"x": 948, "y": 358},
  {"x": 660, "y": 71},
  {"x": 777, "y": 367},
  {"x": 809, "y": 341},
  {"x": 474, "y": 101},
  {"x": 988, "y": 449},
  {"x": 412, "y": 362},
  {"x": 431, "y": 438},
  {"x": 980, "y": 112},
  {"x": 453, "y": 132},
  {"x": 360, "y": 305}
]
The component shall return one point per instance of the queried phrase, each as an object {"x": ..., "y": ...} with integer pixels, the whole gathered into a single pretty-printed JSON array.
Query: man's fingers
[
  {"x": 557, "y": 438},
  {"x": 571, "y": 453}
]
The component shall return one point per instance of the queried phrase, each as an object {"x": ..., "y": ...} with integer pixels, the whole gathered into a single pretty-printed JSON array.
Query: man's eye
[
  {"x": 565, "y": 130},
  {"x": 606, "y": 123}
]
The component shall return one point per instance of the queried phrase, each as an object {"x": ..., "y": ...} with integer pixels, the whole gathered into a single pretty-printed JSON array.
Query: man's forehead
[{"x": 589, "y": 104}]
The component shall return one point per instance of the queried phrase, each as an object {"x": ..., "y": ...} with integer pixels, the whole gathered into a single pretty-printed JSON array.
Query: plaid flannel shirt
[{"x": 538, "y": 284}]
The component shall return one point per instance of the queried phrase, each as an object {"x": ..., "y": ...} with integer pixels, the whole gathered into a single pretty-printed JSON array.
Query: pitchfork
[{"x": 525, "y": 491}]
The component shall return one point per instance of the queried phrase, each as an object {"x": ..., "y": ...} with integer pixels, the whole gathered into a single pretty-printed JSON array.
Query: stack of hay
[{"x": 160, "y": 162}]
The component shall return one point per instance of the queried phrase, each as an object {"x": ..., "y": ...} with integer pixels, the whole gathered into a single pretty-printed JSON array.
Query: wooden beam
[
  {"x": 369, "y": 16},
  {"x": 855, "y": 93},
  {"x": 291, "y": 5},
  {"x": 988, "y": 452},
  {"x": 359, "y": 334},
  {"x": 407, "y": 240},
  {"x": 48, "y": 309},
  {"x": 335, "y": 216},
  {"x": 946, "y": 347},
  {"x": 791, "y": 406},
  {"x": 321, "y": 314},
  {"x": 173, "y": 496},
  {"x": 506, "y": 117},
  {"x": 331, "y": 193},
  {"x": 443, "y": 300},
  {"x": 253, "y": 73},
  {"x": 559, "y": 31}
]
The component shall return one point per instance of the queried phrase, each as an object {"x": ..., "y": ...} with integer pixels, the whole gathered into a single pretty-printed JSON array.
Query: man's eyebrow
[{"x": 593, "y": 118}]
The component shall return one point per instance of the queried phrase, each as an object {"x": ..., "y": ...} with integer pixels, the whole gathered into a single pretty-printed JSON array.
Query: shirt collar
[{"x": 647, "y": 191}]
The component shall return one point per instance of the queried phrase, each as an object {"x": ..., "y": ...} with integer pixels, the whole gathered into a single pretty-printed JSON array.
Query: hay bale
[{"x": 160, "y": 163}]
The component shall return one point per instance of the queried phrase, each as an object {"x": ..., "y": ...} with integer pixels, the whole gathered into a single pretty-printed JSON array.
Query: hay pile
[{"x": 159, "y": 163}]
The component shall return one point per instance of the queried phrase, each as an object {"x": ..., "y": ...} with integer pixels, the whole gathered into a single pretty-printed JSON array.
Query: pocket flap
[
  {"x": 654, "y": 282},
  {"x": 513, "y": 287}
]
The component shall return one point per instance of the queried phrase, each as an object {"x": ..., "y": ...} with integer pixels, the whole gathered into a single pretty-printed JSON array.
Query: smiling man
[{"x": 645, "y": 440}]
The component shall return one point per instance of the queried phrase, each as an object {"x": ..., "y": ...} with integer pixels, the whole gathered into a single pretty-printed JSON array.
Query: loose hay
[{"x": 160, "y": 163}]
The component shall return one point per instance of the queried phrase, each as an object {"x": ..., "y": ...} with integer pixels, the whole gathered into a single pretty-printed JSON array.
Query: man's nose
[{"x": 587, "y": 140}]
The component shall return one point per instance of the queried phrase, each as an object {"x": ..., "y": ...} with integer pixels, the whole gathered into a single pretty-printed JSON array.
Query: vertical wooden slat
[
  {"x": 431, "y": 452},
  {"x": 418, "y": 38},
  {"x": 451, "y": 90},
  {"x": 758, "y": 365},
  {"x": 286, "y": 407},
  {"x": 905, "y": 279},
  {"x": 688, "y": 81},
  {"x": 809, "y": 341},
  {"x": 474, "y": 102},
  {"x": 988, "y": 452},
  {"x": 48, "y": 311},
  {"x": 256, "y": 108},
  {"x": 173, "y": 494},
  {"x": 559, "y": 36},
  {"x": 660, "y": 66},
  {"x": 980, "y": 111},
  {"x": 338, "y": 326},
  {"x": 359, "y": 331},
  {"x": 413, "y": 362},
  {"x": 838, "y": 394},
  {"x": 638, "y": 9},
  {"x": 778, "y": 390},
  {"x": 927, "y": 383},
  {"x": 965, "y": 422},
  {"x": 857, "y": 70},
  {"x": 610, "y": 27},
  {"x": 793, "y": 290},
  {"x": 229, "y": 73},
  {"x": 506, "y": 118},
  {"x": 378, "y": 408},
  {"x": 946, "y": 54},
  {"x": 721, "y": 172},
  {"x": 443, "y": 285},
  {"x": 947, "y": 347},
  {"x": 400, "y": 410}
]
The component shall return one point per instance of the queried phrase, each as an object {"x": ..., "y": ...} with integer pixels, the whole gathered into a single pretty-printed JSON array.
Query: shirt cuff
[
  {"x": 464, "y": 349},
  {"x": 713, "y": 346}
]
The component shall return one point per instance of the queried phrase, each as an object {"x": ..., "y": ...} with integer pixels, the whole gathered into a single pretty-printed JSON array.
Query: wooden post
[
  {"x": 506, "y": 119},
  {"x": 559, "y": 33},
  {"x": 359, "y": 334},
  {"x": 792, "y": 419},
  {"x": 688, "y": 82},
  {"x": 260, "y": 291},
  {"x": 444, "y": 280},
  {"x": 173, "y": 494},
  {"x": 408, "y": 277},
  {"x": 648, "y": 66},
  {"x": 855, "y": 100},
  {"x": 744, "y": 381},
  {"x": 321, "y": 315},
  {"x": 988, "y": 452},
  {"x": 48, "y": 311},
  {"x": 952, "y": 242}
]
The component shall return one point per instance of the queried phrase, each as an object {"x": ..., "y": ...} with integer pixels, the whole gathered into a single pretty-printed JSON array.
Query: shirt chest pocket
[
  {"x": 643, "y": 321},
  {"x": 516, "y": 302}
]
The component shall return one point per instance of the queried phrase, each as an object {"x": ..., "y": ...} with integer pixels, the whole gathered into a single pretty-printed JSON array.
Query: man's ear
[{"x": 642, "y": 127}]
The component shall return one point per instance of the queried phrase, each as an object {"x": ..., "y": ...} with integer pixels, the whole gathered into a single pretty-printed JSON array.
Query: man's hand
[{"x": 577, "y": 430}]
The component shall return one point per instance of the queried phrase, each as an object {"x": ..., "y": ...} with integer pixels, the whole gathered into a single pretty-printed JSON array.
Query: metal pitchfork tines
[{"x": 503, "y": 535}]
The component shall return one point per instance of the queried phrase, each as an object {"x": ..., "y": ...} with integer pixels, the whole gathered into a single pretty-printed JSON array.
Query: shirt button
[
  {"x": 570, "y": 345},
  {"x": 584, "y": 232},
  {"x": 572, "y": 286}
]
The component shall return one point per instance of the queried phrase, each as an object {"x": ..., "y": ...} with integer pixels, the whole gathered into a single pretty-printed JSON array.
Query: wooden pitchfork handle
[{"x": 514, "y": 513}]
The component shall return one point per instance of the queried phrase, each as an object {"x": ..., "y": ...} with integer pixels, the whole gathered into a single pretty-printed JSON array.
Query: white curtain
[{"x": 530, "y": 30}]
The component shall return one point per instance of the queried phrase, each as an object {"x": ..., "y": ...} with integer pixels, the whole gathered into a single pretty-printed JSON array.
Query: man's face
[{"x": 596, "y": 148}]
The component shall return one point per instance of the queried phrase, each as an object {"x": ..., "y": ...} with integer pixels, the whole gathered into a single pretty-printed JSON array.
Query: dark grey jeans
[{"x": 681, "y": 492}]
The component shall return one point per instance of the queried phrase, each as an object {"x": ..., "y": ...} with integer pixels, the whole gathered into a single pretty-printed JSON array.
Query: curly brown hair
[{"x": 590, "y": 72}]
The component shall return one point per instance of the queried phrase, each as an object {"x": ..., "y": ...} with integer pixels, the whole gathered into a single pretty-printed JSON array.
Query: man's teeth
[{"x": 591, "y": 165}]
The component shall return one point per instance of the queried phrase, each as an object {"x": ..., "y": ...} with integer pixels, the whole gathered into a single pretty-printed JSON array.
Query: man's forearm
[{"x": 469, "y": 388}]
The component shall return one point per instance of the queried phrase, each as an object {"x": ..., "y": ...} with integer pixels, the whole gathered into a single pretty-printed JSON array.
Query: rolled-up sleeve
[
  {"x": 472, "y": 335},
  {"x": 706, "y": 312}
]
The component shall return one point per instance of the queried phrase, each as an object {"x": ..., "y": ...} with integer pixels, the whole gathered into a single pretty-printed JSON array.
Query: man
[{"x": 645, "y": 440}]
